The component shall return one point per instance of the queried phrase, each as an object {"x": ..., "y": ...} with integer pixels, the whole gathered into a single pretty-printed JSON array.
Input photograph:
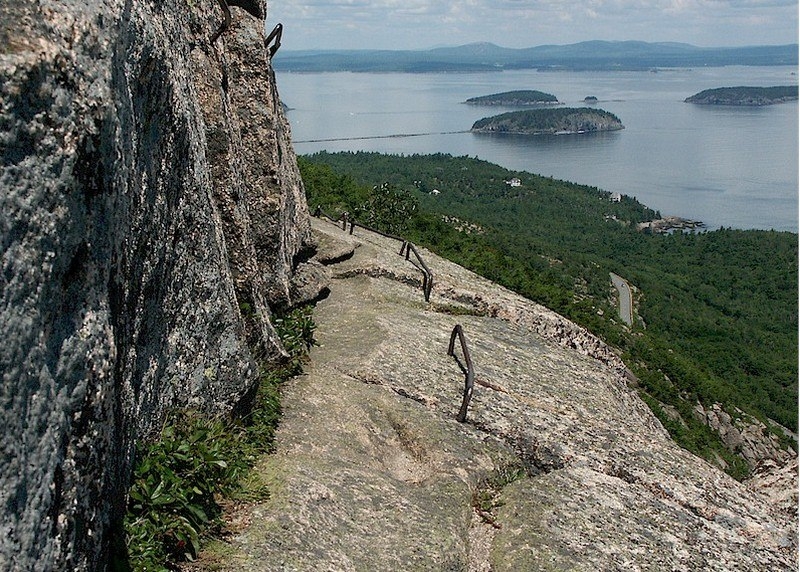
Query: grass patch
[
  {"x": 457, "y": 310},
  {"x": 486, "y": 498}
]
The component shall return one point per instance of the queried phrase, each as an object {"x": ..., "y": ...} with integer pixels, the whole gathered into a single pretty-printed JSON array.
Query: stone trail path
[{"x": 568, "y": 469}]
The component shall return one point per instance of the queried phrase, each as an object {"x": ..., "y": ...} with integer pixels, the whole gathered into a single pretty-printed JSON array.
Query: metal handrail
[
  {"x": 469, "y": 370},
  {"x": 354, "y": 223},
  {"x": 251, "y": 7},
  {"x": 275, "y": 35},
  {"x": 405, "y": 249},
  {"x": 427, "y": 275},
  {"x": 318, "y": 212}
]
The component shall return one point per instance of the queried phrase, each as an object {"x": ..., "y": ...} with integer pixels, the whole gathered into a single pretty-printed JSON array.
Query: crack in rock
[
  {"x": 379, "y": 272},
  {"x": 426, "y": 400}
]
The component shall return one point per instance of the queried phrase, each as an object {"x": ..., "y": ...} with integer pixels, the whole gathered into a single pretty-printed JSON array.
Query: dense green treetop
[
  {"x": 514, "y": 98},
  {"x": 549, "y": 121},
  {"x": 718, "y": 311},
  {"x": 743, "y": 95}
]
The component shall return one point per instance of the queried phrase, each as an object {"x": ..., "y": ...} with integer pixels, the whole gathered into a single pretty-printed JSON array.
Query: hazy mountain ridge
[{"x": 589, "y": 55}]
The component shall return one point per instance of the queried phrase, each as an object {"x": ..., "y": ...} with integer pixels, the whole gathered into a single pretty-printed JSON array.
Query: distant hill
[
  {"x": 550, "y": 121},
  {"x": 592, "y": 55},
  {"x": 742, "y": 95}
]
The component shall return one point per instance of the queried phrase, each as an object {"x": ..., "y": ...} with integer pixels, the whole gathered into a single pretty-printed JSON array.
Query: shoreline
[{"x": 535, "y": 133}]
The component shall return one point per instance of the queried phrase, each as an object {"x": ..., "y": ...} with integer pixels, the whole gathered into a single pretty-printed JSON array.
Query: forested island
[
  {"x": 519, "y": 98},
  {"x": 743, "y": 95},
  {"x": 715, "y": 318},
  {"x": 549, "y": 122}
]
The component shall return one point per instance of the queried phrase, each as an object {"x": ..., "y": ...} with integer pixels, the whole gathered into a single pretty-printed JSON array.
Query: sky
[{"x": 423, "y": 24}]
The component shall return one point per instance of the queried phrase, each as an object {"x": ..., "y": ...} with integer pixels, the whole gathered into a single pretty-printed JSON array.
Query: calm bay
[{"x": 726, "y": 166}]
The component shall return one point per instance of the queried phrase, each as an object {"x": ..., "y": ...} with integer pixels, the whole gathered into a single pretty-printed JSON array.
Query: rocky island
[
  {"x": 742, "y": 95},
  {"x": 549, "y": 122},
  {"x": 518, "y": 98}
]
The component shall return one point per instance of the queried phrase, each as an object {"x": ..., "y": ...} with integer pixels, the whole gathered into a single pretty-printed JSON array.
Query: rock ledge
[{"x": 559, "y": 466}]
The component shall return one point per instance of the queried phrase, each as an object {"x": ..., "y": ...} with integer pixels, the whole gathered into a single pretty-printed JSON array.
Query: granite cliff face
[
  {"x": 745, "y": 435},
  {"x": 149, "y": 191}
]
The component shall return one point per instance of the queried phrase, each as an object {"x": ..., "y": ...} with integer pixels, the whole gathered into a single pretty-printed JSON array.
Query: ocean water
[{"x": 726, "y": 166}]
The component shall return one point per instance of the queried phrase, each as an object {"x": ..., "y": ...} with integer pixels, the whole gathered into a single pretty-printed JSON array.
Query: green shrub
[
  {"x": 296, "y": 331},
  {"x": 180, "y": 478},
  {"x": 172, "y": 498}
]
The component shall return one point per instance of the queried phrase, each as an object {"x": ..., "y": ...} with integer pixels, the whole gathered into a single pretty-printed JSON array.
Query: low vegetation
[
  {"x": 743, "y": 95},
  {"x": 717, "y": 311},
  {"x": 486, "y": 498},
  {"x": 515, "y": 98},
  {"x": 182, "y": 477}
]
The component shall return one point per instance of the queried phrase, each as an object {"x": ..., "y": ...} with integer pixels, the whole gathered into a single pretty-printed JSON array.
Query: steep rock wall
[{"x": 149, "y": 191}]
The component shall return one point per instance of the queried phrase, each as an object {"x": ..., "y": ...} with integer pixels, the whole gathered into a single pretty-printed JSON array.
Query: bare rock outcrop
[
  {"x": 149, "y": 190},
  {"x": 559, "y": 465},
  {"x": 778, "y": 482},
  {"x": 744, "y": 435}
]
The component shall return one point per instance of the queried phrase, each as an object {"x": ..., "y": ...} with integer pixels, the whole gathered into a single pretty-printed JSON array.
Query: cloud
[
  {"x": 746, "y": 4},
  {"x": 400, "y": 24}
]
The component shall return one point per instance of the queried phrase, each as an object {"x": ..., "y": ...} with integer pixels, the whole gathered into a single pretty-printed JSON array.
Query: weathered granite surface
[
  {"x": 148, "y": 190},
  {"x": 744, "y": 435},
  {"x": 559, "y": 466}
]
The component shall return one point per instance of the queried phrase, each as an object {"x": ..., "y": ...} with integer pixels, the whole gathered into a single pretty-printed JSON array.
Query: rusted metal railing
[
  {"x": 427, "y": 275},
  {"x": 273, "y": 41},
  {"x": 466, "y": 367},
  {"x": 250, "y": 6},
  {"x": 405, "y": 250},
  {"x": 318, "y": 212}
]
